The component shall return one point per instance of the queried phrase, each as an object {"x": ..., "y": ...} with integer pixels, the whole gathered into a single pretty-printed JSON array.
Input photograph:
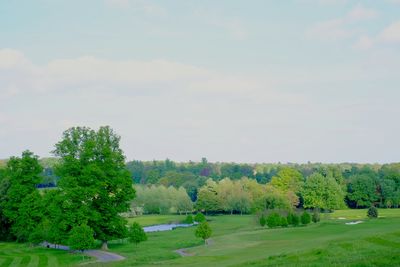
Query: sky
[{"x": 229, "y": 80}]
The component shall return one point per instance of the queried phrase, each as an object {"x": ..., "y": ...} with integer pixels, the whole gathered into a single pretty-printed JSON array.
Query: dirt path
[
  {"x": 102, "y": 256},
  {"x": 183, "y": 253}
]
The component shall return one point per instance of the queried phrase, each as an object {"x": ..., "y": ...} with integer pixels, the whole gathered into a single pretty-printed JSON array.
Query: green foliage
[
  {"x": 94, "y": 183},
  {"x": 316, "y": 217},
  {"x": 188, "y": 219},
  {"x": 305, "y": 218},
  {"x": 203, "y": 231},
  {"x": 81, "y": 237},
  {"x": 361, "y": 190},
  {"x": 263, "y": 220},
  {"x": 284, "y": 222},
  {"x": 136, "y": 233},
  {"x": 293, "y": 219},
  {"x": 199, "y": 217},
  {"x": 322, "y": 192},
  {"x": 372, "y": 212},
  {"x": 158, "y": 199},
  {"x": 273, "y": 220},
  {"x": 20, "y": 208},
  {"x": 288, "y": 179}
]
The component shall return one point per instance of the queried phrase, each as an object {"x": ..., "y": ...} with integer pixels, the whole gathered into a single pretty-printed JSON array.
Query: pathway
[{"x": 102, "y": 256}]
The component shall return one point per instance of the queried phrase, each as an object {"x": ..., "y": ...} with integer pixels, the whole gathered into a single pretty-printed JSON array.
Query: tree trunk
[{"x": 104, "y": 245}]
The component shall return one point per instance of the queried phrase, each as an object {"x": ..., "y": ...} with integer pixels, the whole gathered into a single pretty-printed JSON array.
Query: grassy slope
[
  {"x": 239, "y": 241},
  {"x": 12, "y": 254}
]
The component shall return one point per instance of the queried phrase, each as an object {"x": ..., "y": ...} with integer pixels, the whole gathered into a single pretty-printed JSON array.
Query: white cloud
[
  {"x": 364, "y": 43},
  {"x": 360, "y": 13},
  {"x": 391, "y": 34},
  {"x": 342, "y": 28}
]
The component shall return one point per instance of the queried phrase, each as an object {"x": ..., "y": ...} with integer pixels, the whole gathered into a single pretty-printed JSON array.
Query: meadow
[{"x": 239, "y": 241}]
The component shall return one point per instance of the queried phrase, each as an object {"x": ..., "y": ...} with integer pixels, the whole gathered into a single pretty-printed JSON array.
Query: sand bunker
[{"x": 352, "y": 223}]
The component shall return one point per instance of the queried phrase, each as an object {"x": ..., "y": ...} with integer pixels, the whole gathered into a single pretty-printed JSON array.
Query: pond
[{"x": 165, "y": 227}]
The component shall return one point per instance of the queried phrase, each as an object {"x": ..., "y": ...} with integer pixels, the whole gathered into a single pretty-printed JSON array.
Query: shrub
[
  {"x": 189, "y": 219},
  {"x": 199, "y": 217},
  {"x": 316, "y": 216},
  {"x": 273, "y": 220},
  {"x": 136, "y": 233},
  {"x": 289, "y": 218},
  {"x": 263, "y": 220},
  {"x": 283, "y": 222},
  {"x": 372, "y": 212},
  {"x": 295, "y": 219},
  {"x": 305, "y": 218}
]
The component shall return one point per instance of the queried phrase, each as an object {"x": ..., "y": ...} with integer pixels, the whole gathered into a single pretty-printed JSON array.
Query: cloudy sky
[{"x": 245, "y": 81}]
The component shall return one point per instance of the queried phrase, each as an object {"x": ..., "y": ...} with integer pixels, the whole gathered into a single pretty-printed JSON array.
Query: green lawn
[
  {"x": 239, "y": 241},
  {"x": 12, "y": 254}
]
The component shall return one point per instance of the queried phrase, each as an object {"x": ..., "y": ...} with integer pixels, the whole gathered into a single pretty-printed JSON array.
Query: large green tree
[
  {"x": 322, "y": 192},
  {"x": 94, "y": 183},
  {"x": 19, "y": 201},
  {"x": 362, "y": 190}
]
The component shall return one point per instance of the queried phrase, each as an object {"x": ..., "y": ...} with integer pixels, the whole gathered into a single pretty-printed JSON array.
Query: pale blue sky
[{"x": 247, "y": 81}]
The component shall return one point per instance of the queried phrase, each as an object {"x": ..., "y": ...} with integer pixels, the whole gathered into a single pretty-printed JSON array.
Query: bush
[
  {"x": 372, "y": 212},
  {"x": 199, "y": 217},
  {"x": 289, "y": 218},
  {"x": 273, "y": 220},
  {"x": 284, "y": 222},
  {"x": 316, "y": 216},
  {"x": 294, "y": 219},
  {"x": 263, "y": 220},
  {"x": 189, "y": 219},
  {"x": 305, "y": 218},
  {"x": 136, "y": 233}
]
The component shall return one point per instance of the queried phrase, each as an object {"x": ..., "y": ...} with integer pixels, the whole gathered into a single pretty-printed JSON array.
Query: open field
[
  {"x": 12, "y": 254},
  {"x": 239, "y": 241}
]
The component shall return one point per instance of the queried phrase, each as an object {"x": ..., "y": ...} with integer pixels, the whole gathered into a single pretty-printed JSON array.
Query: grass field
[
  {"x": 239, "y": 241},
  {"x": 12, "y": 254}
]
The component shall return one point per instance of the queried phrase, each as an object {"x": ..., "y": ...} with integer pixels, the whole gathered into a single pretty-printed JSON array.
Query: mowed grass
[
  {"x": 148, "y": 220},
  {"x": 13, "y": 254},
  {"x": 240, "y": 241}
]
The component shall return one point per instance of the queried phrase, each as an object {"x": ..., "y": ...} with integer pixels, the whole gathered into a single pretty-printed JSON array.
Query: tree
[
  {"x": 199, "y": 217},
  {"x": 136, "y": 233},
  {"x": 19, "y": 198},
  {"x": 95, "y": 185},
  {"x": 81, "y": 238},
  {"x": 305, "y": 218},
  {"x": 207, "y": 197},
  {"x": 322, "y": 192},
  {"x": 287, "y": 179},
  {"x": 372, "y": 212},
  {"x": 362, "y": 190},
  {"x": 203, "y": 231}
]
